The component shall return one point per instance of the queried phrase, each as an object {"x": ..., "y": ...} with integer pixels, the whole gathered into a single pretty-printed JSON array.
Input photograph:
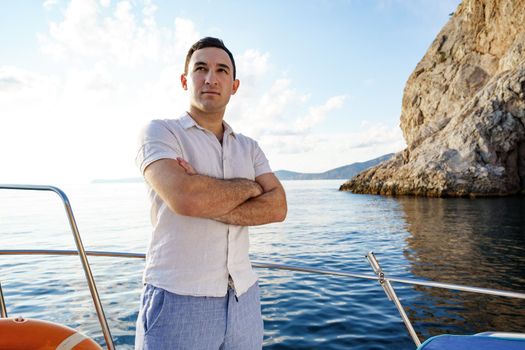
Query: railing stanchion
[
  {"x": 81, "y": 252},
  {"x": 392, "y": 296},
  {"x": 3, "y": 310}
]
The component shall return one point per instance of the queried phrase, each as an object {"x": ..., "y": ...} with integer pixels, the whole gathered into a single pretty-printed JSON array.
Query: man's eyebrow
[{"x": 222, "y": 65}]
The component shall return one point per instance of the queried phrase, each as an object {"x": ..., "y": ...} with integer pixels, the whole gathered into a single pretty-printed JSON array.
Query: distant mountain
[
  {"x": 126, "y": 180},
  {"x": 345, "y": 172}
]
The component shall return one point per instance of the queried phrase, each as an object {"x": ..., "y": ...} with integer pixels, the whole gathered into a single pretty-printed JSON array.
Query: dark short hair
[{"x": 209, "y": 42}]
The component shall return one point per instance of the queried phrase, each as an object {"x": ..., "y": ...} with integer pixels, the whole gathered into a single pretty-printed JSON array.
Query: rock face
[{"x": 463, "y": 110}]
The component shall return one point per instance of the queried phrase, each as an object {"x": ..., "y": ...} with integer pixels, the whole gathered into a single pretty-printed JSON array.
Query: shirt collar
[
  {"x": 228, "y": 129},
  {"x": 187, "y": 122}
]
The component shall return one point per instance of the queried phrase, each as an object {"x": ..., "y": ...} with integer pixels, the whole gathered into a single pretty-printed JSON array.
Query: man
[{"x": 206, "y": 185}]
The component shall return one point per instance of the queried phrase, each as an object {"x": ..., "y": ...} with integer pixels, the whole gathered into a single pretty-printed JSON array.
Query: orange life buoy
[{"x": 27, "y": 333}]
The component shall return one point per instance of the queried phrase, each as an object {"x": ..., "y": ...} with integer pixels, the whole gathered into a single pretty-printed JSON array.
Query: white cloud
[
  {"x": 278, "y": 110},
  {"x": 267, "y": 104},
  {"x": 18, "y": 84},
  {"x": 122, "y": 36},
  {"x": 252, "y": 64},
  {"x": 317, "y": 114},
  {"x": 119, "y": 68},
  {"x": 184, "y": 36},
  {"x": 49, "y": 4},
  {"x": 374, "y": 135},
  {"x": 328, "y": 151}
]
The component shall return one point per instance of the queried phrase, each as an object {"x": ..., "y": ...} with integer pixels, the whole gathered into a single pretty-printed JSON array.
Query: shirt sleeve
[
  {"x": 261, "y": 164},
  {"x": 156, "y": 141}
]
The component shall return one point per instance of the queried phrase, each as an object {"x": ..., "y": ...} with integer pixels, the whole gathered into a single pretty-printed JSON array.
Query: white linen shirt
[{"x": 190, "y": 255}]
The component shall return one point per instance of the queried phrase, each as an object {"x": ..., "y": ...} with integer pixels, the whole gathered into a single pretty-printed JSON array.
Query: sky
[{"x": 321, "y": 80}]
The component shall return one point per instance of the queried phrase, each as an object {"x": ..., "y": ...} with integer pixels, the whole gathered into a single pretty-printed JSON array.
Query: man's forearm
[
  {"x": 209, "y": 197},
  {"x": 257, "y": 209},
  {"x": 266, "y": 208}
]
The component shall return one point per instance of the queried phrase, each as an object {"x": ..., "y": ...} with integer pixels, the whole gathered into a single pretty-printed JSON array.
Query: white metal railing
[
  {"x": 81, "y": 252},
  {"x": 379, "y": 276}
]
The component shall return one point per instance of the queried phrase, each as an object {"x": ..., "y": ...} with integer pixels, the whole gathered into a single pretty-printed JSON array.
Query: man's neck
[{"x": 209, "y": 121}]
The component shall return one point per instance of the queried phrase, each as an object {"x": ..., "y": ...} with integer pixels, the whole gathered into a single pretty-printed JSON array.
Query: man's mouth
[{"x": 211, "y": 93}]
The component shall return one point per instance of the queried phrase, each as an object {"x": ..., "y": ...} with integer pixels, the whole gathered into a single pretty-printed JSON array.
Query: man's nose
[{"x": 211, "y": 78}]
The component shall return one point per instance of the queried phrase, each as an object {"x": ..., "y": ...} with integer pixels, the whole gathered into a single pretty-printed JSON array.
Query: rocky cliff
[{"x": 463, "y": 110}]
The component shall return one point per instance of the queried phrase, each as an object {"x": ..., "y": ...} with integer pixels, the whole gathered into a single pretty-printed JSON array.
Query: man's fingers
[
  {"x": 187, "y": 166},
  {"x": 182, "y": 163}
]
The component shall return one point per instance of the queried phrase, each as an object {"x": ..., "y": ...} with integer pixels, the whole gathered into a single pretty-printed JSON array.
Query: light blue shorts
[{"x": 172, "y": 321}]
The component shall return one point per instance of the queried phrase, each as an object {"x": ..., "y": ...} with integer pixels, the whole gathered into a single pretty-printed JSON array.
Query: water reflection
[
  {"x": 468, "y": 242},
  {"x": 477, "y": 242}
]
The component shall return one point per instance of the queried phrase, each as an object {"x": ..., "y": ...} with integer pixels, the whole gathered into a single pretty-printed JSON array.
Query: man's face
[{"x": 210, "y": 80}]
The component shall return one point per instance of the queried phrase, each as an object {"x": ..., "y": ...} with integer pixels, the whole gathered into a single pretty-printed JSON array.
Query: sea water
[{"x": 477, "y": 242}]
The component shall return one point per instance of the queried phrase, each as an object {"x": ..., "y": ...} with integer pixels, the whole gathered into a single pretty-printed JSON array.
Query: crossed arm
[{"x": 234, "y": 201}]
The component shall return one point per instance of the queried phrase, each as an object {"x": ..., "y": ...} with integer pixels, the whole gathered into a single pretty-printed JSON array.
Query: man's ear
[
  {"x": 184, "y": 81},
  {"x": 236, "y": 84}
]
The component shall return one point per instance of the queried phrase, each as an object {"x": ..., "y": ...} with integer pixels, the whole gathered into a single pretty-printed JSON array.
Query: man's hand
[{"x": 187, "y": 167}]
